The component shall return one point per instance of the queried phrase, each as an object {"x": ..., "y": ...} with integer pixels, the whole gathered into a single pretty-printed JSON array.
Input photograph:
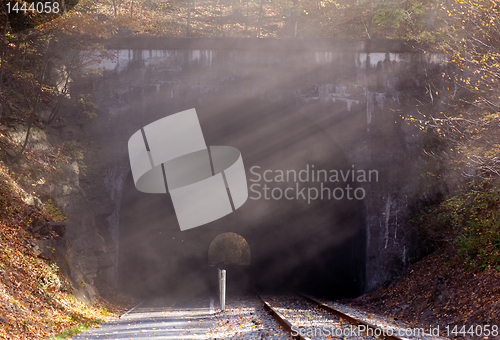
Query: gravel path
[{"x": 158, "y": 319}]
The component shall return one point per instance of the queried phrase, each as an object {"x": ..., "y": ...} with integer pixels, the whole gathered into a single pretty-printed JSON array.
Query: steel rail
[
  {"x": 350, "y": 319},
  {"x": 281, "y": 319}
]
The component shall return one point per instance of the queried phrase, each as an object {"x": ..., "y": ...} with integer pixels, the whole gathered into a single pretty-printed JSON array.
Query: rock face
[
  {"x": 76, "y": 245},
  {"x": 80, "y": 196},
  {"x": 285, "y": 110}
]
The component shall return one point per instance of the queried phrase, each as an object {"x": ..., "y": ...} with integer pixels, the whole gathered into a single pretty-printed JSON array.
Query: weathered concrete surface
[
  {"x": 158, "y": 319},
  {"x": 284, "y": 110},
  {"x": 266, "y": 45}
]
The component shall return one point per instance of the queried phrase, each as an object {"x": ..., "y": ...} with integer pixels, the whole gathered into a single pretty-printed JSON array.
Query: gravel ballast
[{"x": 246, "y": 318}]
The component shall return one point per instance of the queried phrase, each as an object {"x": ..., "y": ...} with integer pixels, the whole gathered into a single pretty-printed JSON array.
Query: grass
[
  {"x": 73, "y": 331},
  {"x": 469, "y": 222}
]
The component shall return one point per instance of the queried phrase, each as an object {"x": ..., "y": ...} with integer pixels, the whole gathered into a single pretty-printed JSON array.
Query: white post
[{"x": 222, "y": 288}]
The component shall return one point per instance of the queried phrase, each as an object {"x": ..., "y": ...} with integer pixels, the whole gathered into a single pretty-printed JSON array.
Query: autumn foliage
[
  {"x": 462, "y": 116},
  {"x": 35, "y": 298},
  {"x": 440, "y": 291},
  {"x": 460, "y": 120},
  {"x": 416, "y": 19}
]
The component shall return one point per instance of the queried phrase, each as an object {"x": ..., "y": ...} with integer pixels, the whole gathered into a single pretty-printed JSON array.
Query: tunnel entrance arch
[{"x": 354, "y": 91}]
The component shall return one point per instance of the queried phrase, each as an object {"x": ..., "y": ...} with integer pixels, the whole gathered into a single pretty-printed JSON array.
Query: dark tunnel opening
[
  {"x": 316, "y": 246},
  {"x": 231, "y": 252}
]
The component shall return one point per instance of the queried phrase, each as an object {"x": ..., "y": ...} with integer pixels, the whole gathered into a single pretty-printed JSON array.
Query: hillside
[
  {"x": 36, "y": 300},
  {"x": 457, "y": 283}
]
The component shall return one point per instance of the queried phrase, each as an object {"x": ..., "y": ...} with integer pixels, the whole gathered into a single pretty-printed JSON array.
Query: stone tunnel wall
[{"x": 357, "y": 97}]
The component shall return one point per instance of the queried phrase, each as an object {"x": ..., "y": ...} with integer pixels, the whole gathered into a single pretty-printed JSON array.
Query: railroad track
[{"x": 331, "y": 323}]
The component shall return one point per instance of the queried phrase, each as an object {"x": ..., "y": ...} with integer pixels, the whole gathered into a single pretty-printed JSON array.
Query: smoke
[
  {"x": 294, "y": 243},
  {"x": 272, "y": 107}
]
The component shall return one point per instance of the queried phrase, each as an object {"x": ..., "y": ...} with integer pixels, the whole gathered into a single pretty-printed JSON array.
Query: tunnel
[
  {"x": 331, "y": 166},
  {"x": 314, "y": 245}
]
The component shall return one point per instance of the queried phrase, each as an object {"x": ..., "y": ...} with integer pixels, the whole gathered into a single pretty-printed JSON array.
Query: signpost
[{"x": 222, "y": 288}]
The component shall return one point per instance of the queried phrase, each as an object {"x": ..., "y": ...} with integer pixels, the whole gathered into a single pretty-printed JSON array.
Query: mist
[{"x": 334, "y": 111}]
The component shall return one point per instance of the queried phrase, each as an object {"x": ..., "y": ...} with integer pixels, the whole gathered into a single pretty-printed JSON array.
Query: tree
[
  {"x": 5, "y": 25},
  {"x": 466, "y": 116},
  {"x": 29, "y": 87}
]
